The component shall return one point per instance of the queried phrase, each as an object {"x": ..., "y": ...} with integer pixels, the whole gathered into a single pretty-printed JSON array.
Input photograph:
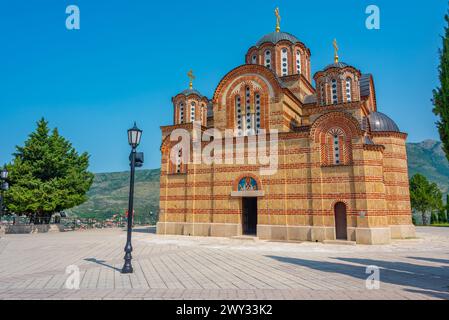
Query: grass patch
[{"x": 439, "y": 225}]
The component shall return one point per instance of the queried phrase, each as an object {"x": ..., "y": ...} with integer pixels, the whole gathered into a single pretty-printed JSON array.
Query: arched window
[
  {"x": 181, "y": 112},
  {"x": 348, "y": 89},
  {"x": 284, "y": 62},
  {"x": 337, "y": 145},
  {"x": 334, "y": 91},
  {"x": 268, "y": 59},
  {"x": 254, "y": 59},
  {"x": 192, "y": 111},
  {"x": 238, "y": 115},
  {"x": 298, "y": 62}
]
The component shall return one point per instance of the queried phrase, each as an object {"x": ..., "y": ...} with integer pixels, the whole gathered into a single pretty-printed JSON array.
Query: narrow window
[
  {"x": 348, "y": 90},
  {"x": 322, "y": 97},
  {"x": 298, "y": 62},
  {"x": 178, "y": 161},
  {"x": 202, "y": 113},
  {"x": 257, "y": 99},
  {"x": 336, "y": 134},
  {"x": 192, "y": 111},
  {"x": 248, "y": 124},
  {"x": 254, "y": 59},
  {"x": 284, "y": 62},
  {"x": 181, "y": 112},
  {"x": 336, "y": 149},
  {"x": 238, "y": 115},
  {"x": 334, "y": 91},
  {"x": 268, "y": 59}
]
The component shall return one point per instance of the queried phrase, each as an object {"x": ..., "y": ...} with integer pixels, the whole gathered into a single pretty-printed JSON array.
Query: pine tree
[
  {"x": 47, "y": 176},
  {"x": 441, "y": 94}
]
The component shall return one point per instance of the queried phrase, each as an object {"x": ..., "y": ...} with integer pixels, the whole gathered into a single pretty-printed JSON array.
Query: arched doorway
[
  {"x": 247, "y": 185},
  {"x": 341, "y": 232}
]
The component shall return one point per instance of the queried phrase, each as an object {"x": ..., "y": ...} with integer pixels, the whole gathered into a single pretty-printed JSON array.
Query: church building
[{"x": 342, "y": 164}]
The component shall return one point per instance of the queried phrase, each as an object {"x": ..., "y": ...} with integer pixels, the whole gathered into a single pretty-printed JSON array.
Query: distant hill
[
  {"x": 428, "y": 158},
  {"x": 109, "y": 195},
  {"x": 109, "y": 192}
]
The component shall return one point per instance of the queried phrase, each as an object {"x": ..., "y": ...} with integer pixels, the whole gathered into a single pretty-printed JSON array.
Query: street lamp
[
  {"x": 3, "y": 187},
  {"x": 136, "y": 159}
]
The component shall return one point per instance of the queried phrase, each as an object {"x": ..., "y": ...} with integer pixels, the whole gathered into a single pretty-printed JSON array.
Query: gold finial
[
  {"x": 191, "y": 77},
  {"x": 278, "y": 20},
  {"x": 336, "y": 51}
]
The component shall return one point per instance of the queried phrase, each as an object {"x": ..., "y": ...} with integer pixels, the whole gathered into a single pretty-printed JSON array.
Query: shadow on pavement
[
  {"x": 429, "y": 280},
  {"x": 151, "y": 229},
  {"x": 444, "y": 261},
  {"x": 102, "y": 263}
]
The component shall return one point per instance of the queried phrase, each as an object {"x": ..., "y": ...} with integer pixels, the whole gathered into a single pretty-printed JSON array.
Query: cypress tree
[{"x": 441, "y": 94}]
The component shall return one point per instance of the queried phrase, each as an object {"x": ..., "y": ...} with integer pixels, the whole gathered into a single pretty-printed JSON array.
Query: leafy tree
[
  {"x": 441, "y": 94},
  {"x": 444, "y": 212},
  {"x": 425, "y": 197},
  {"x": 447, "y": 207},
  {"x": 47, "y": 176}
]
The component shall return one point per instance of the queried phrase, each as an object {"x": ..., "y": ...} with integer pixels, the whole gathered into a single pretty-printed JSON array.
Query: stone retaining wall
[{"x": 24, "y": 229}]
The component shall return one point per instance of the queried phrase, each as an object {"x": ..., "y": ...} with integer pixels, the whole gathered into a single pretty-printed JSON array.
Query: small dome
[
  {"x": 275, "y": 37},
  {"x": 381, "y": 122},
  {"x": 337, "y": 65},
  {"x": 188, "y": 92}
]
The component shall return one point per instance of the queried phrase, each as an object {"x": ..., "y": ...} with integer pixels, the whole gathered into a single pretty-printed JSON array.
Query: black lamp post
[
  {"x": 3, "y": 187},
  {"x": 134, "y": 135}
]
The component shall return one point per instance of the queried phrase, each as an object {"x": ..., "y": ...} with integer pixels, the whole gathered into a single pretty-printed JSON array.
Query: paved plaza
[{"x": 174, "y": 267}]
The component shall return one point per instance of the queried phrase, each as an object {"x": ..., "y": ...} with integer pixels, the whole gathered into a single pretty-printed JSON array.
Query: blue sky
[{"x": 130, "y": 57}]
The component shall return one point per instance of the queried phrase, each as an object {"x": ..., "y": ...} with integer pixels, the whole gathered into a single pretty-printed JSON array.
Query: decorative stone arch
[
  {"x": 345, "y": 202},
  {"x": 341, "y": 119},
  {"x": 319, "y": 134},
  {"x": 254, "y": 72}
]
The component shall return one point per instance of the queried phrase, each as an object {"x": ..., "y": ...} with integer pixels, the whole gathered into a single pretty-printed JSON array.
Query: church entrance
[
  {"x": 341, "y": 232},
  {"x": 249, "y": 215}
]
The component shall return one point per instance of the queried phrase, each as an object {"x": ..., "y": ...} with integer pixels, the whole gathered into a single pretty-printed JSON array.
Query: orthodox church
[{"x": 342, "y": 164}]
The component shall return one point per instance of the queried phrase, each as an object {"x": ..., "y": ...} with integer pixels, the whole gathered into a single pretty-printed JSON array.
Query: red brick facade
[{"x": 328, "y": 152}]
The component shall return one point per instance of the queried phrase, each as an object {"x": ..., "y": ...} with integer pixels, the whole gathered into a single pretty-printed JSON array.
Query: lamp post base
[{"x": 127, "y": 269}]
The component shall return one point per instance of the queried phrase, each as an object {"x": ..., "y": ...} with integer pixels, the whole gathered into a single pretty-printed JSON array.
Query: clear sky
[{"x": 130, "y": 57}]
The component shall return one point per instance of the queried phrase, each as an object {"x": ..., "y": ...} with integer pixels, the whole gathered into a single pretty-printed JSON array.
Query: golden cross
[
  {"x": 336, "y": 51},
  {"x": 191, "y": 77},
  {"x": 278, "y": 20}
]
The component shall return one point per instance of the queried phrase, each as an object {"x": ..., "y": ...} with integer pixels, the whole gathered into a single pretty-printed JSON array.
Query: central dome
[
  {"x": 337, "y": 65},
  {"x": 275, "y": 37}
]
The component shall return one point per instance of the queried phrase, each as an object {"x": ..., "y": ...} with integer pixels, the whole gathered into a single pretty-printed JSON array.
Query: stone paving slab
[{"x": 176, "y": 267}]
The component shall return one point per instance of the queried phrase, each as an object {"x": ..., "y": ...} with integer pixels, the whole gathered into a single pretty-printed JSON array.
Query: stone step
[
  {"x": 343, "y": 242},
  {"x": 250, "y": 238}
]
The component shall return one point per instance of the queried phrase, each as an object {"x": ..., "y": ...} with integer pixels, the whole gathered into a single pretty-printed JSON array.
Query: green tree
[
  {"x": 47, "y": 176},
  {"x": 445, "y": 211},
  {"x": 425, "y": 197},
  {"x": 441, "y": 94}
]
